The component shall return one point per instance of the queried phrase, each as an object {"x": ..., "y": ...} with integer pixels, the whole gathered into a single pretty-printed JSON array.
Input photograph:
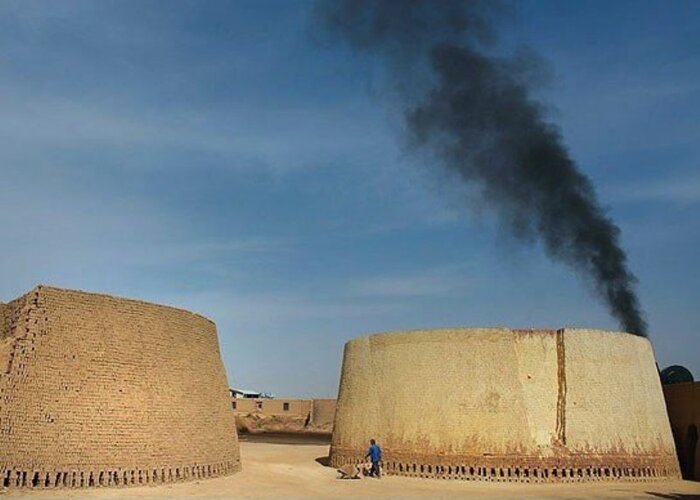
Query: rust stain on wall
[{"x": 561, "y": 389}]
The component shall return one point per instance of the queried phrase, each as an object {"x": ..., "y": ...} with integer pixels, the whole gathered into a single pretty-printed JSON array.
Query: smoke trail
[{"x": 476, "y": 113}]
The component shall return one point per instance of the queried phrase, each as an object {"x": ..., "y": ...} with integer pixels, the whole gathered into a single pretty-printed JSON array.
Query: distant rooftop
[{"x": 243, "y": 393}]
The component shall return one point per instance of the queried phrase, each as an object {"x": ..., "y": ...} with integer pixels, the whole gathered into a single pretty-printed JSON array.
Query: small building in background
[
  {"x": 245, "y": 394},
  {"x": 683, "y": 404},
  {"x": 256, "y": 413}
]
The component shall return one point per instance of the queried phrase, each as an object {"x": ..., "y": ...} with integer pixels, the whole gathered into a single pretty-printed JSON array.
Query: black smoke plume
[{"x": 477, "y": 114}]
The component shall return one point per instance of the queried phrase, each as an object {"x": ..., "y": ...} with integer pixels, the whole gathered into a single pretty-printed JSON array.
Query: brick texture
[
  {"x": 103, "y": 391},
  {"x": 270, "y": 415},
  {"x": 505, "y": 405},
  {"x": 323, "y": 412},
  {"x": 296, "y": 407}
]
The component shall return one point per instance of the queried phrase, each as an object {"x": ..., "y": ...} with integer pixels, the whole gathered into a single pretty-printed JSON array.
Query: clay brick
[
  {"x": 505, "y": 405},
  {"x": 103, "y": 391}
]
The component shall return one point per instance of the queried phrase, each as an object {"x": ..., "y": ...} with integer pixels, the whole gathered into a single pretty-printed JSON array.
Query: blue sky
[{"x": 212, "y": 156}]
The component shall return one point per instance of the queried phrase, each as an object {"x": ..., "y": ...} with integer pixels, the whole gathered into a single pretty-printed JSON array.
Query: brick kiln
[
  {"x": 102, "y": 391},
  {"x": 505, "y": 405}
]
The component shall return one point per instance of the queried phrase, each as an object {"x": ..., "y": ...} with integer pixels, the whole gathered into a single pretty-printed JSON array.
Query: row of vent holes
[
  {"x": 77, "y": 479},
  {"x": 536, "y": 473}
]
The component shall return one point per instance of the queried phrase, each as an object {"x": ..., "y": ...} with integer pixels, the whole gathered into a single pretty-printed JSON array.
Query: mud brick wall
[
  {"x": 683, "y": 404},
  {"x": 319, "y": 411},
  {"x": 505, "y": 405},
  {"x": 102, "y": 391},
  {"x": 265, "y": 406},
  {"x": 323, "y": 412},
  {"x": 243, "y": 405},
  {"x": 269, "y": 415}
]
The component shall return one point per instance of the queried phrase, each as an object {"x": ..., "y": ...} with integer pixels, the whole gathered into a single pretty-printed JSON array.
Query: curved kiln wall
[
  {"x": 101, "y": 391},
  {"x": 500, "y": 404}
]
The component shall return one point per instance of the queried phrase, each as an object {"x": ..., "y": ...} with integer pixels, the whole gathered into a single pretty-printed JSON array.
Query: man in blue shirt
[{"x": 375, "y": 455}]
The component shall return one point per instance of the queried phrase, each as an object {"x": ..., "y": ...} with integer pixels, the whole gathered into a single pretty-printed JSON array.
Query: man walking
[{"x": 374, "y": 453}]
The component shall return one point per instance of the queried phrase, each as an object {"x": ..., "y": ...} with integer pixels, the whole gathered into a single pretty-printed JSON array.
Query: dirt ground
[{"x": 273, "y": 470}]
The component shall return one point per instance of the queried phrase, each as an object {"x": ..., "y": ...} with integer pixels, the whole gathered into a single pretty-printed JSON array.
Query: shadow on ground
[{"x": 674, "y": 496}]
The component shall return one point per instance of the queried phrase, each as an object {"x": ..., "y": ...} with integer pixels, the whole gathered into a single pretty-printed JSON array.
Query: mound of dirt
[{"x": 257, "y": 422}]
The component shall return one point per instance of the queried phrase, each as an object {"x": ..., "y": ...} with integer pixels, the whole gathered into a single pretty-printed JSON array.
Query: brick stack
[
  {"x": 103, "y": 391},
  {"x": 505, "y": 405}
]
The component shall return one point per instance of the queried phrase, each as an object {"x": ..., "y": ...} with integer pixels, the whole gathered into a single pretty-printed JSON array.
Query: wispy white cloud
[
  {"x": 612, "y": 109},
  {"x": 276, "y": 310},
  {"x": 178, "y": 252},
  {"x": 248, "y": 136},
  {"x": 676, "y": 190},
  {"x": 432, "y": 282},
  {"x": 72, "y": 238}
]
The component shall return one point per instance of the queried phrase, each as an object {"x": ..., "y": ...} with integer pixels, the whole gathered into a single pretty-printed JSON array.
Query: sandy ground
[{"x": 294, "y": 471}]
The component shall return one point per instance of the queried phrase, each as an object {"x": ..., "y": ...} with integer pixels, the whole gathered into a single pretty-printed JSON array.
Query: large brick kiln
[
  {"x": 505, "y": 405},
  {"x": 101, "y": 391}
]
